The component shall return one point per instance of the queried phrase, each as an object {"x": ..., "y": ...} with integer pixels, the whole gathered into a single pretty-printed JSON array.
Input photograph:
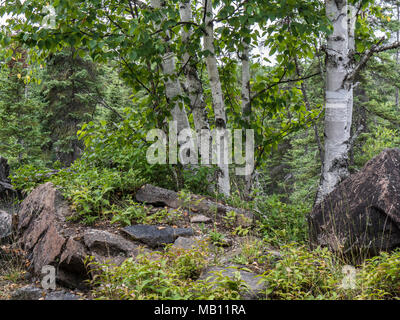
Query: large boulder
[
  {"x": 361, "y": 217},
  {"x": 49, "y": 238}
]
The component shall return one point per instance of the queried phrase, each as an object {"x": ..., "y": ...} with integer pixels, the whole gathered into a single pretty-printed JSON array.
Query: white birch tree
[
  {"x": 221, "y": 144},
  {"x": 246, "y": 98},
  {"x": 338, "y": 97},
  {"x": 341, "y": 70},
  {"x": 172, "y": 85}
]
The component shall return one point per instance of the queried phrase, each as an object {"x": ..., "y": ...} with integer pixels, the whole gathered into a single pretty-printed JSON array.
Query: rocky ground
[
  {"x": 39, "y": 233},
  {"x": 360, "y": 216}
]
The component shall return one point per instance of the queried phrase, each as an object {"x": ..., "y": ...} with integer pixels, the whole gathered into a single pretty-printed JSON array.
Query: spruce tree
[{"x": 69, "y": 90}]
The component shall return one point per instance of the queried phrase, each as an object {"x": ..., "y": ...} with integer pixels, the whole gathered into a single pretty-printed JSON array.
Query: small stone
[
  {"x": 199, "y": 218},
  {"x": 184, "y": 243}
]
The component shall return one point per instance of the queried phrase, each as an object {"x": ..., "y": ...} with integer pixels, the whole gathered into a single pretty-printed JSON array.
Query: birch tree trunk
[
  {"x": 193, "y": 82},
  {"x": 194, "y": 88},
  {"x": 221, "y": 144},
  {"x": 351, "y": 63},
  {"x": 246, "y": 105},
  {"x": 246, "y": 102},
  {"x": 172, "y": 85},
  {"x": 338, "y": 98}
]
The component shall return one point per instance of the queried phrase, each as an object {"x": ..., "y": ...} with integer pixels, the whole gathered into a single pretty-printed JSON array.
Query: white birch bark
[
  {"x": 352, "y": 11},
  {"x": 172, "y": 85},
  {"x": 246, "y": 103},
  {"x": 218, "y": 100},
  {"x": 195, "y": 88},
  {"x": 193, "y": 82},
  {"x": 246, "y": 106},
  {"x": 338, "y": 100}
]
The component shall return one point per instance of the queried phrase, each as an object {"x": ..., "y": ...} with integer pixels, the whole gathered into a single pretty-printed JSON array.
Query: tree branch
[
  {"x": 182, "y": 23},
  {"x": 281, "y": 82},
  {"x": 375, "y": 48},
  {"x": 355, "y": 136}
]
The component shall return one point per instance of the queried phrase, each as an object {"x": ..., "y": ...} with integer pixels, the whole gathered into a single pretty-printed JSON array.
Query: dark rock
[
  {"x": 5, "y": 225},
  {"x": 253, "y": 287},
  {"x": 72, "y": 271},
  {"x": 361, "y": 217},
  {"x": 155, "y": 236},
  {"x": 27, "y": 276},
  {"x": 4, "y": 170},
  {"x": 6, "y": 189},
  {"x": 162, "y": 197}
]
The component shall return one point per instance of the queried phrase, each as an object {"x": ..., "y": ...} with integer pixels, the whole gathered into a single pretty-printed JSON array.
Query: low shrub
[
  {"x": 282, "y": 223},
  {"x": 92, "y": 191},
  {"x": 169, "y": 275},
  {"x": 302, "y": 274},
  {"x": 379, "y": 277}
]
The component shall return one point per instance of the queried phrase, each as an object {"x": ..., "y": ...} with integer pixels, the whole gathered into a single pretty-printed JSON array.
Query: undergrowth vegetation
[
  {"x": 168, "y": 275},
  {"x": 99, "y": 189},
  {"x": 299, "y": 274}
]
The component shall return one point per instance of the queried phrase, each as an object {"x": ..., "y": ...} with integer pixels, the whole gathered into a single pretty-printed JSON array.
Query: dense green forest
[{"x": 317, "y": 82}]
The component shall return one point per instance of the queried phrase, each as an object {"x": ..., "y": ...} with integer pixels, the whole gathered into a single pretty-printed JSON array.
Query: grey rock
[
  {"x": 106, "y": 243},
  {"x": 253, "y": 290},
  {"x": 185, "y": 243},
  {"x": 5, "y": 225},
  {"x": 274, "y": 253},
  {"x": 61, "y": 295},
  {"x": 199, "y": 218},
  {"x": 28, "y": 293},
  {"x": 31, "y": 292},
  {"x": 155, "y": 236},
  {"x": 157, "y": 196}
]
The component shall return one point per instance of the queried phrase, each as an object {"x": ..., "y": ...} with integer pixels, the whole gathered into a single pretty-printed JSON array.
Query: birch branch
[{"x": 375, "y": 48}]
